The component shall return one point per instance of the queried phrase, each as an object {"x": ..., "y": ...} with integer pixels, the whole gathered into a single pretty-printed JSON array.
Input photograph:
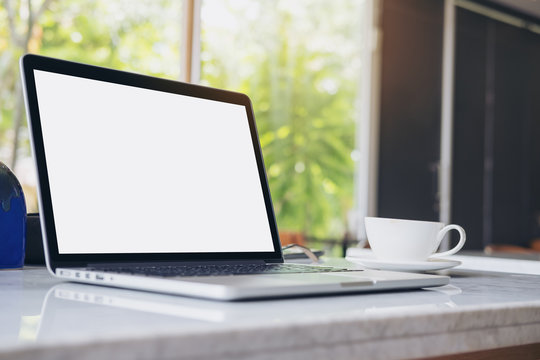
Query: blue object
[{"x": 12, "y": 220}]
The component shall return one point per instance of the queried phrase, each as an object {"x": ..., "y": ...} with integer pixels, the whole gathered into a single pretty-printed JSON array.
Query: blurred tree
[
  {"x": 142, "y": 36},
  {"x": 299, "y": 64},
  {"x": 22, "y": 18},
  {"x": 298, "y": 61}
]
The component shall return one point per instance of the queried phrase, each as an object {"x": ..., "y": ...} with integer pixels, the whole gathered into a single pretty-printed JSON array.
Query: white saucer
[{"x": 370, "y": 261}]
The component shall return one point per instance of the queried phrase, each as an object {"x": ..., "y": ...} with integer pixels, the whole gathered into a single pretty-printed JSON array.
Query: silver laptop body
[{"x": 136, "y": 172}]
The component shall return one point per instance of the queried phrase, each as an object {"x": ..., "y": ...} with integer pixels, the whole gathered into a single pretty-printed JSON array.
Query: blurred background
[{"x": 418, "y": 109}]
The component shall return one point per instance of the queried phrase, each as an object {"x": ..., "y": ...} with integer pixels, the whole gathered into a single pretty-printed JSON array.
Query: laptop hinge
[
  {"x": 274, "y": 261},
  {"x": 172, "y": 263}
]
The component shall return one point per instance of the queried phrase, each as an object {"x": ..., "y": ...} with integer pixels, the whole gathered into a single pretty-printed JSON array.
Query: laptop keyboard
[{"x": 221, "y": 269}]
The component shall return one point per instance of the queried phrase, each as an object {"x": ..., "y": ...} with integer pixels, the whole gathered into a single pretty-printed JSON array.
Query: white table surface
[{"x": 42, "y": 318}]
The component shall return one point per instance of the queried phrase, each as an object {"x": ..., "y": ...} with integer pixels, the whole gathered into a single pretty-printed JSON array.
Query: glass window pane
[
  {"x": 142, "y": 36},
  {"x": 300, "y": 62}
]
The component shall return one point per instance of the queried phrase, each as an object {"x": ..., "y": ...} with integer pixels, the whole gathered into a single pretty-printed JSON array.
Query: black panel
[
  {"x": 469, "y": 122},
  {"x": 533, "y": 116},
  {"x": 511, "y": 138},
  {"x": 410, "y": 108},
  {"x": 496, "y": 152},
  {"x": 496, "y": 177}
]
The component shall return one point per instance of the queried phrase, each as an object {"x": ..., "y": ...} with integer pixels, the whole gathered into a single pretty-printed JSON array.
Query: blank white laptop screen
[{"x": 133, "y": 170}]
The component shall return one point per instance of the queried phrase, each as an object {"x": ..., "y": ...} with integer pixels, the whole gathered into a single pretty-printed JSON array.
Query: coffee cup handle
[{"x": 455, "y": 249}]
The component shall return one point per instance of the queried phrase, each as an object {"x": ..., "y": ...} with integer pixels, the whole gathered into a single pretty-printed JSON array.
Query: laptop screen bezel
[{"x": 31, "y": 62}]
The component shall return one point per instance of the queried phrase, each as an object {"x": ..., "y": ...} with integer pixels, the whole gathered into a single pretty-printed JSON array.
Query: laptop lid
[{"x": 133, "y": 168}]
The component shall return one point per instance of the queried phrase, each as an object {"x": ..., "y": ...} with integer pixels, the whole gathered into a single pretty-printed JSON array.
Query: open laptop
[{"x": 160, "y": 185}]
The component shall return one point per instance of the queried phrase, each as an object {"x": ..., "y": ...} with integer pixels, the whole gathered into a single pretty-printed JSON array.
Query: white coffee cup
[{"x": 409, "y": 240}]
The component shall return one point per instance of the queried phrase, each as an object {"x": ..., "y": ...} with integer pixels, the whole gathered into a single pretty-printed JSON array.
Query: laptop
[{"x": 159, "y": 185}]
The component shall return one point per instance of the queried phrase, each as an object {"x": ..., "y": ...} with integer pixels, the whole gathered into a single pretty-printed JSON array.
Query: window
[
  {"x": 299, "y": 61},
  {"x": 141, "y": 36}
]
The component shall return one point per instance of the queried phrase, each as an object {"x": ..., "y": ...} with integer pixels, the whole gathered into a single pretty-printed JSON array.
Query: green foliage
[
  {"x": 303, "y": 99},
  {"x": 136, "y": 36},
  {"x": 297, "y": 60},
  {"x": 142, "y": 36}
]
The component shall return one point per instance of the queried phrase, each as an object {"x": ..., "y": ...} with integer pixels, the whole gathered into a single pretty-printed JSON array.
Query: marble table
[{"x": 42, "y": 318}]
